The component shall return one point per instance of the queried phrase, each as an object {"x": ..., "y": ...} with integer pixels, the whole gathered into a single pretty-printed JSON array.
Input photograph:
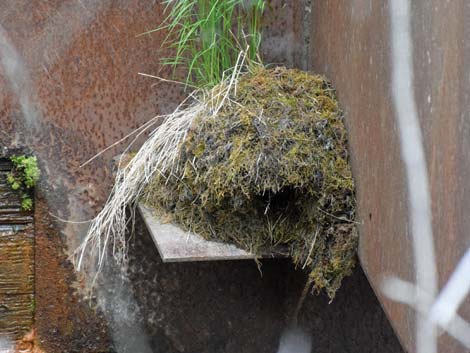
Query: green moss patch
[
  {"x": 270, "y": 170},
  {"x": 23, "y": 178}
]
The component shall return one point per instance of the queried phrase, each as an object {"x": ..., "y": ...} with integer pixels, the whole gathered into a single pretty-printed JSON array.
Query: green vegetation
[
  {"x": 23, "y": 178},
  {"x": 270, "y": 170},
  {"x": 207, "y": 35},
  {"x": 32, "y": 305}
]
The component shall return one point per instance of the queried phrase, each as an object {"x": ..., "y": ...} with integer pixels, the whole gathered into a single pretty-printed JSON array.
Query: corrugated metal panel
[{"x": 16, "y": 261}]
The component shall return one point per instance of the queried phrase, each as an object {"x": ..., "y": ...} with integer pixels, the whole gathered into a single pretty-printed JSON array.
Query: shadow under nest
[{"x": 269, "y": 170}]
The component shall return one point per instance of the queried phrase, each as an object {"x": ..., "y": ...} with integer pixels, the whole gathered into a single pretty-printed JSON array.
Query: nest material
[{"x": 271, "y": 169}]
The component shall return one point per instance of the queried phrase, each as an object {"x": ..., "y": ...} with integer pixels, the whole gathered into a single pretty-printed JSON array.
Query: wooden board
[{"x": 177, "y": 245}]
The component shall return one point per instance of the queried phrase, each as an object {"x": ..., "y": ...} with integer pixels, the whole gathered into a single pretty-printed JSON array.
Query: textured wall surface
[
  {"x": 351, "y": 45},
  {"x": 68, "y": 88}
]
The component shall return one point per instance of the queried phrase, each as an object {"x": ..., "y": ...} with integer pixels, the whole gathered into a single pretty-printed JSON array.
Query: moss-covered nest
[{"x": 270, "y": 170}]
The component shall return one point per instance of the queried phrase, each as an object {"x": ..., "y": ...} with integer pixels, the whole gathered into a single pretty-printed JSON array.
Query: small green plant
[
  {"x": 23, "y": 177},
  {"x": 207, "y": 36},
  {"x": 32, "y": 305}
]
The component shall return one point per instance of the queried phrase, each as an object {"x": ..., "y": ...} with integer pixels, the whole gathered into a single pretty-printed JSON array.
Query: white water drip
[
  {"x": 19, "y": 79},
  {"x": 294, "y": 340}
]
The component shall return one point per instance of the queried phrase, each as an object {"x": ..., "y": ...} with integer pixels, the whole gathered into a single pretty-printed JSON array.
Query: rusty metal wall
[
  {"x": 351, "y": 45},
  {"x": 68, "y": 88},
  {"x": 79, "y": 78}
]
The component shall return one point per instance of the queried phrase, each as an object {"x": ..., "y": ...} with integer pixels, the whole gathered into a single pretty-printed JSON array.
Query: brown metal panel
[
  {"x": 351, "y": 45},
  {"x": 80, "y": 80}
]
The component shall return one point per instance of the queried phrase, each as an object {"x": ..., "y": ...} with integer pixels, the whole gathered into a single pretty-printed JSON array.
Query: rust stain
[
  {"x": 63, "y": 322},
  {"x": 27, "y": 344}
]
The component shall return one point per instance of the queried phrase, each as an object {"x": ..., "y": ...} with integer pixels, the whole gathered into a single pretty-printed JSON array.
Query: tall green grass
[{"x": 207, "y": 35}]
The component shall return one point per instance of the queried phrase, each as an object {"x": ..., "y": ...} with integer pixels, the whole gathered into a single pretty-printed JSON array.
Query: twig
[
  {"x": 339, "y": 218},
  {"x": 167, "y": 80},
  {"x": 311, "y": 249},
  {"x": 301, "y": 301}
]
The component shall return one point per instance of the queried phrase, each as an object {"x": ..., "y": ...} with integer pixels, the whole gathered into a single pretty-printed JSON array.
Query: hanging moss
[{"x": 271, "y": 169}]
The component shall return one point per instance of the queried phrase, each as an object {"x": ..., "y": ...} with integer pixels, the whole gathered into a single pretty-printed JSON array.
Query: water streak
[
  {"x": 295, "y": 340},
  {"x": 412, "y": 152},
  {"x": 18, "y": 78},
  {"x": 6, "y": 346}
]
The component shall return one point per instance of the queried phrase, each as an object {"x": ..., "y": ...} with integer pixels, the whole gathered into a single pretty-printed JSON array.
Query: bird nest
[{"x": 270, "y": 169}]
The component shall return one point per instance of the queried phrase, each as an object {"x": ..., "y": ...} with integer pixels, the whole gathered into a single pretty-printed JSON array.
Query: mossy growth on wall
[
  {"x": 23, "y": 178},
  {"x": 270, "y": 170}
]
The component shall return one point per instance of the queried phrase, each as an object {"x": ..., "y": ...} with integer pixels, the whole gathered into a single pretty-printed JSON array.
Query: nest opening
[{"x": 283, "y": 202}]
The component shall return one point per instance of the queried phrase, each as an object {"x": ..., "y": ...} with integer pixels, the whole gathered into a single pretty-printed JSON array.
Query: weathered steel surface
[
  {"x": 177, "y": 245},
  {"x": 283, "y": 32},
  {"x": 351, "y": 45},
  {"x": 16, "y": 261}
]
